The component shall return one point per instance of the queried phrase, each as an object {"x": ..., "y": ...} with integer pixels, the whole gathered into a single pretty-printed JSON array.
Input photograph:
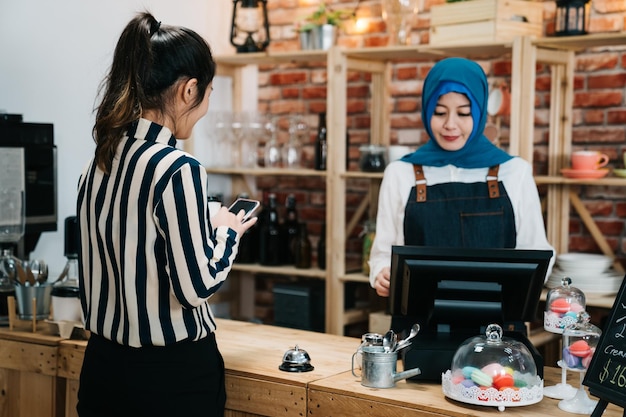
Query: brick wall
[{"x": 599, "y": 113}]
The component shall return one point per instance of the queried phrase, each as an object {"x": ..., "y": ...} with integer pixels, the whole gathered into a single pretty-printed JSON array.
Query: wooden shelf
[
  {"x": 362, "y": 175},
  {"x": 431, "y": 52},
  {"x": 355, "y": 277},
  {"x": 581, "y": 42},
  {"x": 280, "y": 270},
  {"x": 272, "y": 58},
  {"x": 259, "y": 172},
  {"x": 559, "y": 180}
]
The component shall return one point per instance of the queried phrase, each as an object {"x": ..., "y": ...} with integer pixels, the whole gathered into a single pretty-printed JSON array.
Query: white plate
[
  {"x": 606, "y": 285},
  {"x": 583, "y": 260},
  {"x": 584, "y": 276}
]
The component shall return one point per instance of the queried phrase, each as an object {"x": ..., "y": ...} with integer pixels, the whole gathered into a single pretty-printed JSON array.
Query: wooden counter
[
  {"x": 344, "y": 396},
  {"x": 252, "y": 353},
  {"x": 28, "y": 369},
  {"x": 40, "y": 377}
]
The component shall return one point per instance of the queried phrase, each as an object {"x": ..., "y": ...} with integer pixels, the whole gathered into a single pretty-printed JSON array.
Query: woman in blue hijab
[{"x": 457, "y": 190}]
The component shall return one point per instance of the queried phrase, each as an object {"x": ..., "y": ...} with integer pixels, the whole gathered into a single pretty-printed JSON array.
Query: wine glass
[
  {"x": 292, "y": 150},
  {"x": 579, "y": 344},
  {"x": 563, "y": 304},
  {"x": 272, "y": 151}
]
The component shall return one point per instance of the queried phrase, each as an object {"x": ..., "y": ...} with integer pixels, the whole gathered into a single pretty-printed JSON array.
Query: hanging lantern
[
  {"x": 250, "y": 30},
  {"x": 572, "y": 17}
]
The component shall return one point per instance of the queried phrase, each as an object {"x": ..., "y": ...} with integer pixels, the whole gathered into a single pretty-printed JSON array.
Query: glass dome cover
[
  {"x": 563, "y": 304},
  {"x": 579, "y": 343},
  {"x": 493, "y": 370}
]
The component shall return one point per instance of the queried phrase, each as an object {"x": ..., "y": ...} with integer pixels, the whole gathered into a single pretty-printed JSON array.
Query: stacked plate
[{"x": 590, "y": 273}]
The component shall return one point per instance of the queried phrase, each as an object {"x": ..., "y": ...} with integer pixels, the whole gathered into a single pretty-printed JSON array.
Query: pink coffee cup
[{"x": 588, "y": 160}]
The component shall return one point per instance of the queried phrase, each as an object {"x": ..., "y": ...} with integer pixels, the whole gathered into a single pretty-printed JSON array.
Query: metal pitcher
[{"x": 378, "y": 367}]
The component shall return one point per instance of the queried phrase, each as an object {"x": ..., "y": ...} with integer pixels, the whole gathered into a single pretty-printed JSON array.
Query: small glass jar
[
  {"x": 579, "y": 343},
  {"x": 373, "y": 158},
  {"x": 563, "y": 304}
]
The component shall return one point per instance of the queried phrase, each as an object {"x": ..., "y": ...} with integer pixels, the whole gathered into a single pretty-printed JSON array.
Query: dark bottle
[
  {"x": 270, "y": 245},
  {"x": 290, "y": 227},
  {"x": 321, "y": 144},
  {"x": 303, "y": 248},
  {"x": 249, "y": 242},
  {"x": 321, "y": 249}
]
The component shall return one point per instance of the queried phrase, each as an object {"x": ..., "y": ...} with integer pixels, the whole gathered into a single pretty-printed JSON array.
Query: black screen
[{"x": 464, "y": 287}]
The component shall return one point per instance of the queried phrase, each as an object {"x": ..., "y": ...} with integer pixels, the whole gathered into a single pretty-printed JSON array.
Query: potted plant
[{"x": 318, "y": 30}]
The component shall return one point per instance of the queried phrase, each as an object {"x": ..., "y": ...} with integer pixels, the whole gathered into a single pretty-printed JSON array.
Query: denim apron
[{"x": 468, "y": 215}]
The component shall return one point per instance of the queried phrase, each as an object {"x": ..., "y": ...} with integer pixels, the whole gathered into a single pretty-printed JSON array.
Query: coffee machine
[{"x": 40, "y": 176}]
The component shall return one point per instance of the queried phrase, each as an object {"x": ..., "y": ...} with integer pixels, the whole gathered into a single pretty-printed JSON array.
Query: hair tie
[{"x": 154, "y": 27}]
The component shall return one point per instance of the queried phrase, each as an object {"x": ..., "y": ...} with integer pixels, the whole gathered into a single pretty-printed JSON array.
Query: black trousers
[{"x": 186, "y": 379}]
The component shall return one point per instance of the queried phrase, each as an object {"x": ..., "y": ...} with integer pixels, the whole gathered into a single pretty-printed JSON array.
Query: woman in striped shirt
[{"x": 150, "y": 258}]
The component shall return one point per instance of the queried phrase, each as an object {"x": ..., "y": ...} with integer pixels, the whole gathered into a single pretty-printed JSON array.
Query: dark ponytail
[{"x": 148, "y": 60}]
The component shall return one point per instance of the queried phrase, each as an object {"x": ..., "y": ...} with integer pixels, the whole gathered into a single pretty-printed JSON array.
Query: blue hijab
[{"x": 463, "y": 76}]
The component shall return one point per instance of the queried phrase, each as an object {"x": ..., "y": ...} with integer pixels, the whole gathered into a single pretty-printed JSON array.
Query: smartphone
[{"x": 249, "y": 206}]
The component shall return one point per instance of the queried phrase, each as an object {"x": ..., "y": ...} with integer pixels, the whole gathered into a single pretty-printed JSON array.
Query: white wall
[{"x": 53, "y": 55}]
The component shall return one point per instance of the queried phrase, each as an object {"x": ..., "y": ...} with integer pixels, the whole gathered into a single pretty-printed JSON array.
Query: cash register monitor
[{"x": 454, "y": 293}]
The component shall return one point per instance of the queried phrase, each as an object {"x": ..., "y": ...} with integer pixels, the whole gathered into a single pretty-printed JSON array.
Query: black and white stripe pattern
[{"x": 149, "y": 258}]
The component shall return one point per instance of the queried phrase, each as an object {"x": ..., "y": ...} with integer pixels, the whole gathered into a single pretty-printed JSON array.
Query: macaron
[
  {"x": 481, "y": 378},
  {"x": 467, "y": 371},
  {"x": 576, "y": 307},
  {"x": 457, "y": 378},
  {"x": 570, "y": 360},
  {"x": 493, "y": 369},
  {"x": 503, "y": 381},
  {"x": 580, "y": 348},
  {"x": 468, "y": 383},
  {"x": 560, "y": 305}
]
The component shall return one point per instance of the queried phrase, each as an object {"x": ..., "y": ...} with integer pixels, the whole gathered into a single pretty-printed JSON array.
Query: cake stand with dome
[
  {"x": 493, "y": 370},
  {"x": 563, "y": 304},
  {"x": 579, "y": 344}
]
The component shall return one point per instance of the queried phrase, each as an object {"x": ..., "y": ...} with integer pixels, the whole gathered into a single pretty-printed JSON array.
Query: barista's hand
[
  {"x": 235, "y": 221},
  {"x": 381, "y": 284}
]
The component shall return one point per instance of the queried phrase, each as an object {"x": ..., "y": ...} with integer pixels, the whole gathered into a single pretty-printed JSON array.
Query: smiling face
[{"x": 452, "y": 122}]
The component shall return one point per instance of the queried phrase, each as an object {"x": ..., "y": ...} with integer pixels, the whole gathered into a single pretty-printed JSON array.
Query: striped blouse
[{"x": 149, "y": 259}]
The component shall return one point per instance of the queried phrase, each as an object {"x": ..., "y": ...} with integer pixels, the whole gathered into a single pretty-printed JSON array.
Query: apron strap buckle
[
  {"x": 492, "y": 182},
  {"x": 420, "y": 184}
]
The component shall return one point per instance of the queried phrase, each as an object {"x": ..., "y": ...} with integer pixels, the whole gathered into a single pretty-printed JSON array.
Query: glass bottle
[
  {"x": 270, "y": 236},
  {"x": 321, "y": 144},
  {"x": 302, "y": 248},
  {"x": 321, "y": 249},
  {"x": 369, "y": 233},
  {"x": 290, "y": 230}
]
